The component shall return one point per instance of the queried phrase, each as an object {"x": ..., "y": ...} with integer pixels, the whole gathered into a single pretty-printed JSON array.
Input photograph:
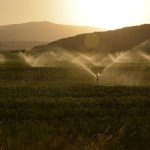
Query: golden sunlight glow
[{"x": 109, "y": 14}]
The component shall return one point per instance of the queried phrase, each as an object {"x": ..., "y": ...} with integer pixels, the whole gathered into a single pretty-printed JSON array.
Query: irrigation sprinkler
[{"x": 98, "y": 78}]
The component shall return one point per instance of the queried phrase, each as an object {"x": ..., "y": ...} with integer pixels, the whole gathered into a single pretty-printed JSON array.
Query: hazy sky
[{"x": 103, "y": 13}]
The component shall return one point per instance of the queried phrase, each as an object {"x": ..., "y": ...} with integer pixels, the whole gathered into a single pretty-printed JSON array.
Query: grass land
[{"x": 52, "y": 109}]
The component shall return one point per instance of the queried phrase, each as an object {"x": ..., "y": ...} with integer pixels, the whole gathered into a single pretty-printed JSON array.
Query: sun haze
[{"x": 108, "y": 14}]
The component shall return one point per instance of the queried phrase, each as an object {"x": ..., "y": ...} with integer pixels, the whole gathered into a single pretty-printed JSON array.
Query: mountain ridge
[{"x": 41, "y": 31}]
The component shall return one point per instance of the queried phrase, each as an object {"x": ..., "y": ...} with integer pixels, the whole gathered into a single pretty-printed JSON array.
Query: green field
[{"x": 55, "y": 109}]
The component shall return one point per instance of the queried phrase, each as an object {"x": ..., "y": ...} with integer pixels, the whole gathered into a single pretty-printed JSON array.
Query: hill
[
  {"x": 104, "y": 42},
  {"x": 41, "y": 31}
]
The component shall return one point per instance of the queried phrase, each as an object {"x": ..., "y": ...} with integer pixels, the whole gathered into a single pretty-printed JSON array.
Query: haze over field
[{"x": 19, "y": 45}]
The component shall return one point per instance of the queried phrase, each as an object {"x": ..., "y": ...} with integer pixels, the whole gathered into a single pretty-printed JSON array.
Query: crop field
[{"x": 61, "y": 109}]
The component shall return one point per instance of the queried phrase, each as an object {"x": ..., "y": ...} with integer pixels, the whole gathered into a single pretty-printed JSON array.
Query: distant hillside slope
[
  {"x": 41, "y": 31},
  {"x": 104, "y": 42}
]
